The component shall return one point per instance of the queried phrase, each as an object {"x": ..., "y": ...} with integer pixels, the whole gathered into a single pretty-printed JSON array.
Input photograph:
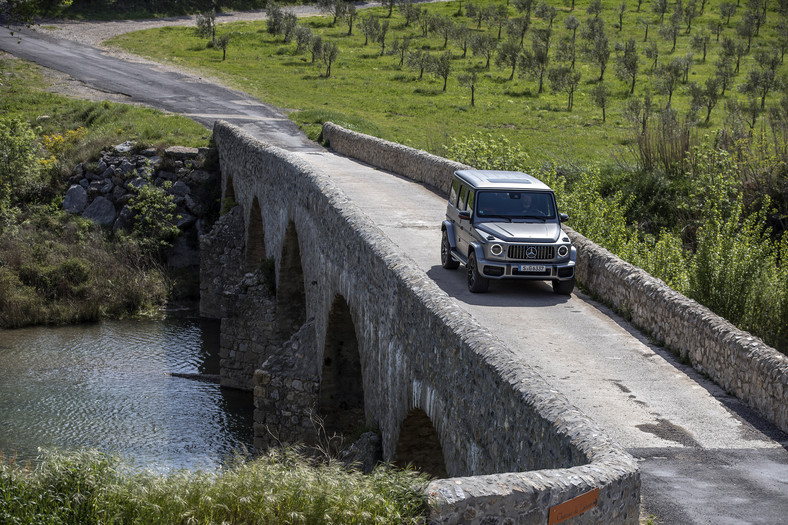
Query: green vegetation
[
  {"x": 282, "y": 486},
  {"x": 56, "y": 268},
  {"x": 394, "y": 71},
  {"x": 661, "y": 124}
]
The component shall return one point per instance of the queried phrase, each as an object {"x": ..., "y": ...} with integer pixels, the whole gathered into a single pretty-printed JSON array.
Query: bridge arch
[
  {"x": 290, "y": 290},
  {"x": 341, "y": 395},
  {"x": 419, "y": 445},
  {"x": 255, "y": 238}
]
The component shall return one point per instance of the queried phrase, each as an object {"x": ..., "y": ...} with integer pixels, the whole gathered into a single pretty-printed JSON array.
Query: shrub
[
  {"x": 18, "y": 151},
  {"x": 154, "y": 216},
  {"x": 485, "y": 152}
]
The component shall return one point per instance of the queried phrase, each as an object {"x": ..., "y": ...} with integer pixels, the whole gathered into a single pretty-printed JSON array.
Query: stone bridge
[{"x": 322, "y": 315}]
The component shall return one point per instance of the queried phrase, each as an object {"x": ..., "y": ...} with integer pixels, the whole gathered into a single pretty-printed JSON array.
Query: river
[{"x": 108, "y": 386}]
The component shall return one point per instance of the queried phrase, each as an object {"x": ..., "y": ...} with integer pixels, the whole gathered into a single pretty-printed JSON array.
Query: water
[{"x": 108, "y": 386}]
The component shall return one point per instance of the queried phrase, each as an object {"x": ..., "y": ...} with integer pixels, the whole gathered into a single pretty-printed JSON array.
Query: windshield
[{"x": 515, "y": 205}]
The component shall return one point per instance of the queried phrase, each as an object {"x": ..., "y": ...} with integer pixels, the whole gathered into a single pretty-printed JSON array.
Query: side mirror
[
  {"x": 465, "y": 215},
  {"x": 563, "y": 217}
]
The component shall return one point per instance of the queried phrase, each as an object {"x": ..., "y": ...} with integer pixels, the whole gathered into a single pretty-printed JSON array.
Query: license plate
[{"x": 531, "y": 268}]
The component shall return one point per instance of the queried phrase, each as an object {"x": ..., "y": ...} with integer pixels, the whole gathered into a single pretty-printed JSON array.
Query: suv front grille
[{"x": 537, "y": 252}]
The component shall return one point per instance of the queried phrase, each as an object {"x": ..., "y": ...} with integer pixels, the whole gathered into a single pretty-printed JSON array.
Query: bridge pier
[{"x": 286, "y": 390}]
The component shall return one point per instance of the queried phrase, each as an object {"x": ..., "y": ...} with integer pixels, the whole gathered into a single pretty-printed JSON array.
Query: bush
[
  {"x": 57, "y": 269},
  {"x": 154, "y": 216}
]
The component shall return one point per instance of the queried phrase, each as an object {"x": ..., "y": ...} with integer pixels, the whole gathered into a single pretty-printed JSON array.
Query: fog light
[
  {"x": 496, "y": 249},
  {"x": 493, "y": 271}
]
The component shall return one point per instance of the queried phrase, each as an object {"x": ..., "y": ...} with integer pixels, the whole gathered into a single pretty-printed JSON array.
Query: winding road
[{"x": 705, "y": 457}]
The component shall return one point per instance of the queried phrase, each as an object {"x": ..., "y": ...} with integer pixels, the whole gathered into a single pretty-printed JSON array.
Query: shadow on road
[{"x": 502, "y": 293}]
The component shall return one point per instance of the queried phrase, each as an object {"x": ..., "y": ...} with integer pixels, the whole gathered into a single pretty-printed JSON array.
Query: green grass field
[{"x": 373, "y": 94}]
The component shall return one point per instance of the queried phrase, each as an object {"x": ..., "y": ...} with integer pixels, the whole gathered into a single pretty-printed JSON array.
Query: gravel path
[{"x": 95, "y": 33}]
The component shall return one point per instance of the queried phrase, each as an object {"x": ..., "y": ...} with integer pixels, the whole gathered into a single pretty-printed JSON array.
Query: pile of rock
[{"x": 101, "y": 191}]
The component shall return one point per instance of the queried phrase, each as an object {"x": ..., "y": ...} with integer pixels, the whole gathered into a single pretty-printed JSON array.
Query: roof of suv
[{"x": 496, "y": 180}]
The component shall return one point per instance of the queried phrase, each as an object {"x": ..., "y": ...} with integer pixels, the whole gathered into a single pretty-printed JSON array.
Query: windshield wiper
[
  {"x": 538, "y": 217},
  {"x": 493, "y": 216}
]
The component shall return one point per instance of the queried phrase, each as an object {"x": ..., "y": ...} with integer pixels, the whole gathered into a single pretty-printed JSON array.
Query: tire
[
  {"x": 476, "y": 282},
  {"x": 564, "y": 287},
  {"x": 447, "y": 261}
]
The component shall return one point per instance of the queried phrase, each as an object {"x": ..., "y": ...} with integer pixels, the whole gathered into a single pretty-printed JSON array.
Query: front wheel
[
  {"x": 564, "y": 287},
  {"x": 476, "y": 283},
  {"x": 447, "y": 261}
]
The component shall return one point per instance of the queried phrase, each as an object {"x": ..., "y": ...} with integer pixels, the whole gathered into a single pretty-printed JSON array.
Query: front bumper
[{"x": 534, "y": 270}]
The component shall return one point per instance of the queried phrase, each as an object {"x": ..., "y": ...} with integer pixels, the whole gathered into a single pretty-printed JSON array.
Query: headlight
[
  {"x": 563, "y": 250},
  {"x": 496, "y": 249}
]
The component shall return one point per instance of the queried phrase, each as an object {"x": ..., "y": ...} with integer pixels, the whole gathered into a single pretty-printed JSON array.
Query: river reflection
[{"x": 108, "y": 386}]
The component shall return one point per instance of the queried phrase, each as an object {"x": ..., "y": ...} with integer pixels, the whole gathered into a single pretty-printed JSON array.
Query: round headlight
[
  {"x": 563, "y": 251},
  {"x": 496, "y": 249}
]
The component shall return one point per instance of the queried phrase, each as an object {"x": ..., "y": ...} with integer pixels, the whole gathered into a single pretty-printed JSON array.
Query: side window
[
  {"x": 471, "y": 194},
  {"x": 463, "y": 198},
  {"x": 455, "y": 189}
]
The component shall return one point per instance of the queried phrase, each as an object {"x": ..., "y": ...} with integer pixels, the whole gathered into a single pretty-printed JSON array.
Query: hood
[{"x": 522, "y": 231}]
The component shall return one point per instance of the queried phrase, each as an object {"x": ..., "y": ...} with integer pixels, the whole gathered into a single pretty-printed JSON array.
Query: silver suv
[{"x": 505, "y": 225}]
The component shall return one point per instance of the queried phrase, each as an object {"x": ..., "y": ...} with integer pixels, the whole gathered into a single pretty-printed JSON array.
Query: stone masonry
[{"x": 515, "y": 446}]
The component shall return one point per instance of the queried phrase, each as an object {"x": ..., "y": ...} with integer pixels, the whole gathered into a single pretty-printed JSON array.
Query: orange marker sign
[{"x": 573, "y": 507}]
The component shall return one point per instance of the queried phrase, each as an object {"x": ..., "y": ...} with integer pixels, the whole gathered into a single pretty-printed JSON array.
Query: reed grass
[{"x": 284, "y": 486}]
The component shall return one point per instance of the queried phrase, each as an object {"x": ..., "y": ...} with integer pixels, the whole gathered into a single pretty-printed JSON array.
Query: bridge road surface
[{"x": 705, "y": 457}]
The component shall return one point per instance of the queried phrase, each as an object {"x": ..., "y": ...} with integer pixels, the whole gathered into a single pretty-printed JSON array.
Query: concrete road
[
  {"x": 705, "y": 457},
  {"x": 156, "y": 86}
]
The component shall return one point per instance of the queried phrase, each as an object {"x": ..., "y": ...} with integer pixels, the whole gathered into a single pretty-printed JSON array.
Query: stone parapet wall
[
  {"x": 736, "y": 360},
  {"x": 419, "y": 349},
  {"x": 411, "y": 163}
]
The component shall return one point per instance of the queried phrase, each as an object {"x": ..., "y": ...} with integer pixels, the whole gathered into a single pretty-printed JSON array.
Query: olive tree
[
  {"x": 469, "y": 80},
  {"x": 601, "y": 95},
  {"x": 441, "y": 67},
  {"x": 564, "y": 79},
  {"x": 627, "y": 62}
]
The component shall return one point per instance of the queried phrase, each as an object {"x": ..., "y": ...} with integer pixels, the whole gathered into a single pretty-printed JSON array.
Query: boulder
[
  {"x": 180, "y": 189},
  {"x": 101, "y": 211},
  {"x": 125, "y": 147},
  {"x": 201, "y": 177},
  {"x": 126, "y": 166},
  {"x": 180, "y": 153},
  {"x": 364, "y": 454},
  {"x": 76, "y": 199},
  {"x": 123, "y": 222},
  {"x": 136, "y": 183}
]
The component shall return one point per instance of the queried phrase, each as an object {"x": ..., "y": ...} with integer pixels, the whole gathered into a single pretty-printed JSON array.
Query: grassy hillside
[
  {"x": 54, "y": 267},
  {"x": 400, "y": 106}
]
